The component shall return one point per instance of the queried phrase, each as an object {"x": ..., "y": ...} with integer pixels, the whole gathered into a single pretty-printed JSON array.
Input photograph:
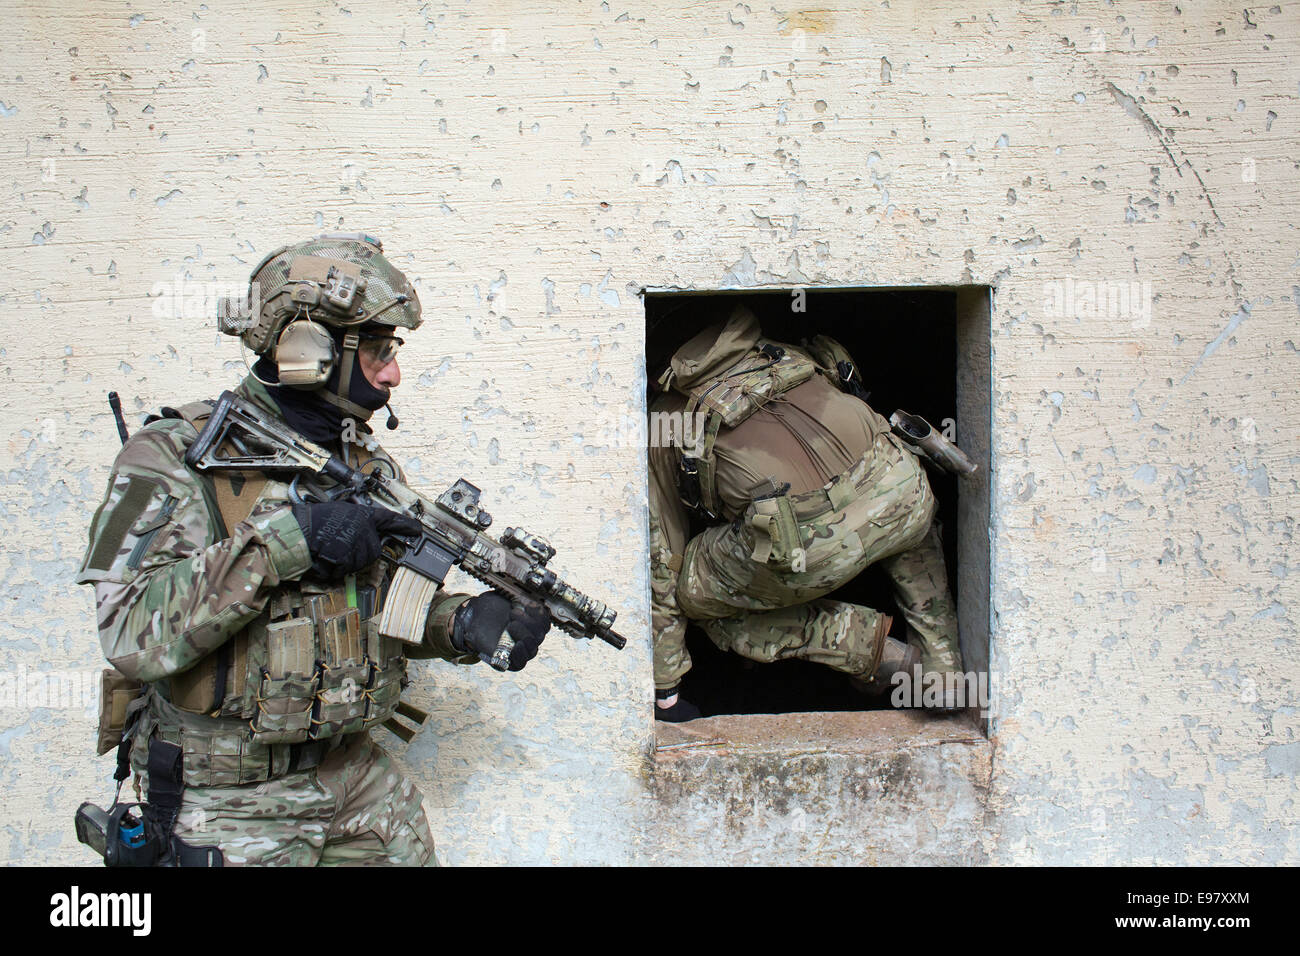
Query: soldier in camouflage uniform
[
  {"x": 250, "y": 621},
  {"x": 803, "y": 486}
]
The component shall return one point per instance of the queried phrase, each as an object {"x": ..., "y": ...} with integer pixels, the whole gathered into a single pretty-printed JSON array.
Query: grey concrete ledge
[
  {"x": 849, "y": 732},
  {"x": 874, "y": 788}
]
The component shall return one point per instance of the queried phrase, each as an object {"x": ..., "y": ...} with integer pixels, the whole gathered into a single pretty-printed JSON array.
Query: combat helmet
[{"x": 310, "y": 305}]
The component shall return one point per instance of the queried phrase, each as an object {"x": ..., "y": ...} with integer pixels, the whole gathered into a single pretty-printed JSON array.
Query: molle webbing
[
  {"x": 768, "y": 371},
  {"x": 220, "y": 680}
]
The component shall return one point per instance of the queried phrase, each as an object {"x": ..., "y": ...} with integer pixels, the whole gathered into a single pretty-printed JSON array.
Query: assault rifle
[{"x": 453, "y": 532}]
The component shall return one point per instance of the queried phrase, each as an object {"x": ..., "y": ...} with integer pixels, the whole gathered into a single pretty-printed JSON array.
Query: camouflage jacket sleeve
[
  {"x": 170, "y": 587},
  {"x": 437, "y": 631},
  {"x": 669, "y": 526}
]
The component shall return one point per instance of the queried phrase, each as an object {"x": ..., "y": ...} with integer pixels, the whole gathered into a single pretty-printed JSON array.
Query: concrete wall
[{"x": 536, "y": 169}]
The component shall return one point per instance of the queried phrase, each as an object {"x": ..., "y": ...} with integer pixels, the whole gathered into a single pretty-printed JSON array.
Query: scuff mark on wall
[{"x": 1211, "y": 347}]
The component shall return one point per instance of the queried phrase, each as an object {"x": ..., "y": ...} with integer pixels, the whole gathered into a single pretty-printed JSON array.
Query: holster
[
  {"x": 149, "y": 841},
  {"x": 690, "y": 485},
  {"x": 166, "y": 783},
  {"x": 922, "y": 438}
]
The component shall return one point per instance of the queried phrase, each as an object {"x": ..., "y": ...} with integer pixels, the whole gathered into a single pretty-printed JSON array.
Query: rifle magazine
[{"x": 406, "y": 606}]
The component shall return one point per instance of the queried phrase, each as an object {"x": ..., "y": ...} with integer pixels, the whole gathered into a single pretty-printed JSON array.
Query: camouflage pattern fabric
[
  {"x": 890, "y": 522},
  {"x": 172, "y": 586},
  {"x": 920, "y": 581},
  {"x": 847, "y": 637},
  {"x": 667, "y": 621},
  {"x": 169, "y": 588},
  {"x": 808, "y": 437},
  {"x": 354, "y": 809}
]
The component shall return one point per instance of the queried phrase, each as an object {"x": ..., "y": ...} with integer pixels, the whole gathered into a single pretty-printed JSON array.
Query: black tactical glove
[
  {"x": 479, "y": 623},
  {"x": 344, "y": 537},
  {"x": 681, "y": 710}
]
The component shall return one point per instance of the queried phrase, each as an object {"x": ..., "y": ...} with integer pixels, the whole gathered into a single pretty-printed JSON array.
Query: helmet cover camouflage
[{"x": 340, "y": 280}]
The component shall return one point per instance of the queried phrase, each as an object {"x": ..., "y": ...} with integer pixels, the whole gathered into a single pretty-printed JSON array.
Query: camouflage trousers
[
  {"x": 767, "y": 613},
  {"x": 354, "y": 809}
]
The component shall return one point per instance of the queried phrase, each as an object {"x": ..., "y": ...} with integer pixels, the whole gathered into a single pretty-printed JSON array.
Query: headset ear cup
[{"x": 304, "y": 354}]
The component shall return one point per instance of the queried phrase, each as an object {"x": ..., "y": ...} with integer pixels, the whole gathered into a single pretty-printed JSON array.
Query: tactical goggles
[{"x": 380, "y": 349}]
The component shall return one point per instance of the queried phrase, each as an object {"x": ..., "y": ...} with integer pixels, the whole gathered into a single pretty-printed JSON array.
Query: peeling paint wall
[{"x": 1124, "y": 175}]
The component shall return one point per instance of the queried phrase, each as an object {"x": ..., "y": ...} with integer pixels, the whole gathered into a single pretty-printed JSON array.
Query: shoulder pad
[{"x": 190, "y": 412}]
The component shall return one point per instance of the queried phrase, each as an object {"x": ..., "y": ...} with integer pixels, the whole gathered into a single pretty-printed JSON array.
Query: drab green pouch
[
  {"x": 222, "y": 759},
  {"x": 116, "y": 691},
  {"x": 341, "y": 700},
  {"x": 776, "y": 532},
  {"x": 284, "y": 709},
  {"x": 386, "y": 688},
  {"x": 288, "y": 686}
]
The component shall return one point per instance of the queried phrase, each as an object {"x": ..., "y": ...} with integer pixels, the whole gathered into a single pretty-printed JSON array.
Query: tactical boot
[
  {"x": 946, "y": 696},
  {"x": 938, "y": 667},
  {"x": 898, "y": 656}
]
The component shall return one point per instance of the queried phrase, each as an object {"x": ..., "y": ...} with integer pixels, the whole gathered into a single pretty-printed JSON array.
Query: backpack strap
[{"x": 695, "y": 473}]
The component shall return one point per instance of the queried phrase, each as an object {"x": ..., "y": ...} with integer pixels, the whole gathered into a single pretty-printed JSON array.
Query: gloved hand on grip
[
  {"x": 344, "y": 537},
  {"x": 481, "y": 621}
]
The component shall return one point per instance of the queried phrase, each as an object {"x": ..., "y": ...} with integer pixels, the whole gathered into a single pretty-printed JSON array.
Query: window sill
[
  {"x": 842, "y": 732},
  {"x": 857, "y": 788}
]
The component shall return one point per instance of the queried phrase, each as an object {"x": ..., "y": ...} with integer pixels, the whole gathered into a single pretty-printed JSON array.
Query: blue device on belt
[{"x": 132, "y": 832}]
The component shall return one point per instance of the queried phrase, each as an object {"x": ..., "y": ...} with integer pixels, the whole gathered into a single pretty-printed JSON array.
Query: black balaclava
[{"x": 307, "y": 412}]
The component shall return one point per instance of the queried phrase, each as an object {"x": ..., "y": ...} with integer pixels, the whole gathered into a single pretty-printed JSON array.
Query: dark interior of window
[{"x": 905, "y": 345}]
